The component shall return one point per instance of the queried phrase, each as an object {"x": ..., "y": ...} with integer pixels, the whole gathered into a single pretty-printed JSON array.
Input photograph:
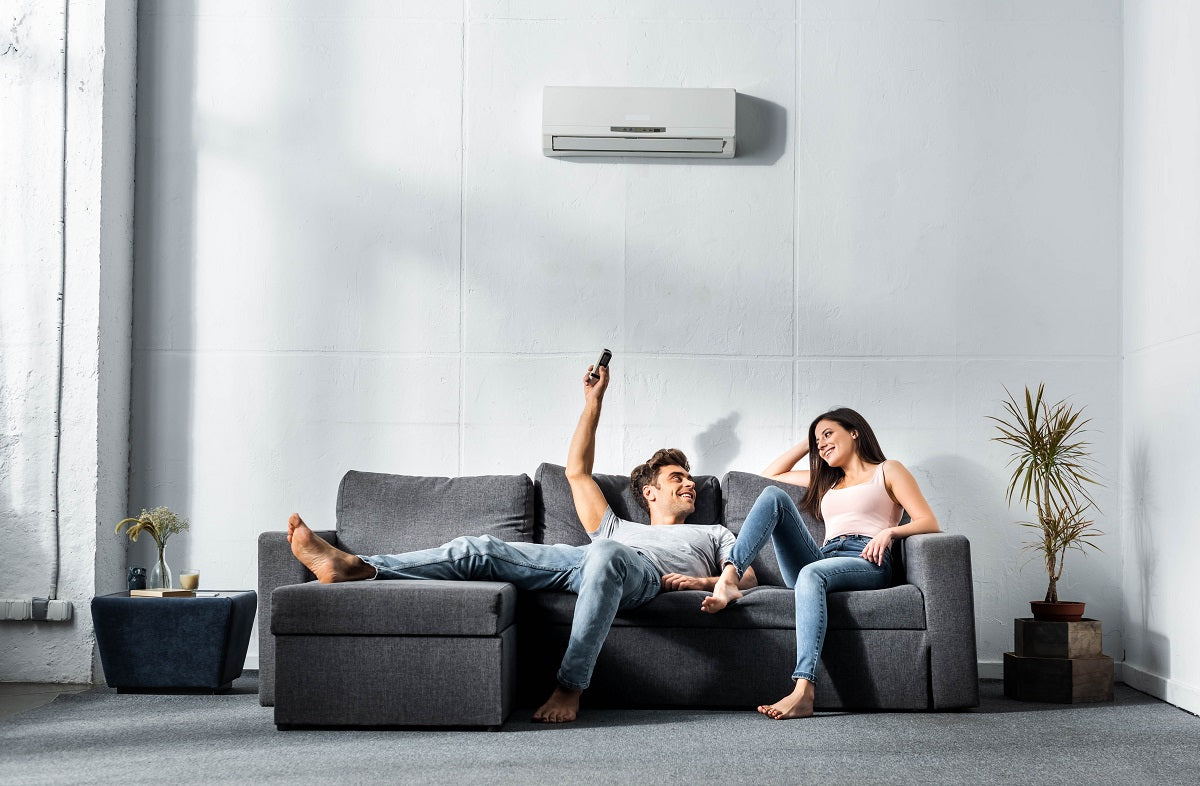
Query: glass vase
[{"x": 160, "y": 574}]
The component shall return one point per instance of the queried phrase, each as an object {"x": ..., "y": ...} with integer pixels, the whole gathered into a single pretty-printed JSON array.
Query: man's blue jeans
[
  {"x": 606, "y": 575},
  {"x": 811, "y": 570}
]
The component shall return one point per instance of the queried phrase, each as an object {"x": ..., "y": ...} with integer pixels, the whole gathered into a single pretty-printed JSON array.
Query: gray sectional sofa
[{"x": 465, "y": 653}]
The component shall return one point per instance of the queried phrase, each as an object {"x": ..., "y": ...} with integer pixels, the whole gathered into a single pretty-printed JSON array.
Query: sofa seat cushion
[
  {"x": 895, "y": 608},
  {"x": 394, "y": 608},
  {"x": 389, "y": 514}
]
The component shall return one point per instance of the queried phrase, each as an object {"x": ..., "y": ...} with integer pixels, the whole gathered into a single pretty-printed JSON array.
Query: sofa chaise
[{"x": 395, "y": 653}]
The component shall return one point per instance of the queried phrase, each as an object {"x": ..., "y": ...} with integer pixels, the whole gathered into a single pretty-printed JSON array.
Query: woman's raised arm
[{"x": 782, "y": 467}]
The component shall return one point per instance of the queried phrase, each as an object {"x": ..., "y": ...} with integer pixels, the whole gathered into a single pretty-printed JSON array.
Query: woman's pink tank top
[{"x": 865, "y": 509}]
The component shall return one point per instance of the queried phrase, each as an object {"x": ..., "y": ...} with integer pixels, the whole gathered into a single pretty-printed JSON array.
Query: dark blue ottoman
[{"x": 156, "y": 644}]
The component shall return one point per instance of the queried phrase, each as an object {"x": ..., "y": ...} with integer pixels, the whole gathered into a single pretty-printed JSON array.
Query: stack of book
[{"x": 167, "y": 592}]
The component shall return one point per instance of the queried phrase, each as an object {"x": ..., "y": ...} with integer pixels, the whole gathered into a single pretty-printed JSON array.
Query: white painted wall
[
  {"x": 66, "y": 195},
  {"x": 350, "y": 252},
  {"x": 1162, "y": 347},
  {"x": 30, "y": 267}
]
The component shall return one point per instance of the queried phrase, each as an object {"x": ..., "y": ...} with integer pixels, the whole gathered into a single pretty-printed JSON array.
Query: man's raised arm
[{"x": 589, "y": 500}]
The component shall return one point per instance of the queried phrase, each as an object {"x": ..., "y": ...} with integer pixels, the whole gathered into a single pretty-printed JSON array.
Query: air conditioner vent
[{"x": 639, "y": 121}]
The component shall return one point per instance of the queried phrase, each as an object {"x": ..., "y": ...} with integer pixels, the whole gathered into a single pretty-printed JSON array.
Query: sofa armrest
[
  {"x": 940, "y": 566},
  {"x": 277, "y": 567}
]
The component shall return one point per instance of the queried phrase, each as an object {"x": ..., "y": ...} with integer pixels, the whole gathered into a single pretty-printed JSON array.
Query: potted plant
[
  {"x": 1052, "y": 471},
  {"x": 160, "y": 523}
]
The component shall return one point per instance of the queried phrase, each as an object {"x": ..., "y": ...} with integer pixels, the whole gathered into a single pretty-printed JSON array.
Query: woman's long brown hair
[{"x": 823, "y": 477}]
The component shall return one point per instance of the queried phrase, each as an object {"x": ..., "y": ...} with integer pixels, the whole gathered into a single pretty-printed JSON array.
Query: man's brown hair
[{"x": 647, "y": 474}]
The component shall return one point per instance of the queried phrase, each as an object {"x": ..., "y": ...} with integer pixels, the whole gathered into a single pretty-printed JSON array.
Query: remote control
[{"x": 605, "y": 356}]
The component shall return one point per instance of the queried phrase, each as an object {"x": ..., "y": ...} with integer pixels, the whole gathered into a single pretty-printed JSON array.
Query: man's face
[{"x": 674, "y": 494}]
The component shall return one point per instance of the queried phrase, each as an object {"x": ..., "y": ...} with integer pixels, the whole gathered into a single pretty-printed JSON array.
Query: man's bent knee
[
  {"x": 609, "y": 557},
  {"x": 607, "y": 550},
  {"x": 474, "y": 544}
]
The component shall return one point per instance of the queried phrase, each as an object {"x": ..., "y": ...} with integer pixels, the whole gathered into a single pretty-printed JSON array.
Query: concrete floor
[{"x": 18, "y": 697}]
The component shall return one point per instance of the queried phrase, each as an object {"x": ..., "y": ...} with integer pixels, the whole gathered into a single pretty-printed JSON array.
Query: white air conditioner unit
[{"x": 639, "y": 121}]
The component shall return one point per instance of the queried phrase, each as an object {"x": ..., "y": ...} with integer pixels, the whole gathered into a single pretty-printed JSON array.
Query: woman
[{"x": 861, "y": 497}]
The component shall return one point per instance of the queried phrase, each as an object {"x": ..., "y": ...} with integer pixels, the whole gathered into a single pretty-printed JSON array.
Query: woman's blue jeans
[
  {"x": 809, "y": 569},
  {"x": 606, "y": 575}
]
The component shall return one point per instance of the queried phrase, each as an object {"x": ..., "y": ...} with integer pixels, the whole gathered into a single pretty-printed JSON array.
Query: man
[{"x": 626, "y": 565}]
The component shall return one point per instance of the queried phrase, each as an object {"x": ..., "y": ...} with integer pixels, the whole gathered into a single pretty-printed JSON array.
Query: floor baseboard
[{"x": 1185, "y": 697}]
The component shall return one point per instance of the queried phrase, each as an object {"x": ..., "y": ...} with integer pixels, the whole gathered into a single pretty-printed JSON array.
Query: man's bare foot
[
  {"x": 724, "y": 593},
  {"x": 327, "y": 563},
  {"x": 798, "y": 704},
  {"x": 561, "y": 707}
]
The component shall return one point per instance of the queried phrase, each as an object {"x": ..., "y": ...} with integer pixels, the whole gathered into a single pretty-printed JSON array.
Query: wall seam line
[{"x": 462, "y": 240}]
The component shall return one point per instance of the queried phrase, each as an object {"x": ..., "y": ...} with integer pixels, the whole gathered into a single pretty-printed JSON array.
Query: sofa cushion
[
  {"x": 389, "y": 514},
  {"x": 895, "y": 608},
  {"x": 394, "y": 608},
  {"x": 557, "y": 521}
]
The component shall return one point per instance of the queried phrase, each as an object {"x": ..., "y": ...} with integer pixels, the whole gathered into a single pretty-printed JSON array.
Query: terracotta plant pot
[{"x": 1061, "y": 611}]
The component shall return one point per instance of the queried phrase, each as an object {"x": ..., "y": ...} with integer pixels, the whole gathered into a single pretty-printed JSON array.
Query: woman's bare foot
[
  {"x": 798, "y": 704},
  {"x": 723, "y": 594},
  {"x": 327, "y": 563},
  {"x": 561, "y": 707}
]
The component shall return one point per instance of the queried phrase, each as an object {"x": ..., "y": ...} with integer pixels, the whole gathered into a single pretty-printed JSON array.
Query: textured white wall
[
  {"x": 1162, "y": 347},
  {"x": 350, "y": 252},
  {"x": 66, "y": 192},
  {"x": 31, "y": 76}
]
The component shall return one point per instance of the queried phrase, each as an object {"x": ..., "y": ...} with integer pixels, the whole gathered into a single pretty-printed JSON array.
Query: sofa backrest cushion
[
  {"x": 557, "y": 522},
  {"x": 740, "y": 490},
  {"x": 389, "y": 514}
]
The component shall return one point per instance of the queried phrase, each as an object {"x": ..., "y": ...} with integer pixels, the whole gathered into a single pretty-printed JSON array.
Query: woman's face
[{"x": 835, "y": 444}]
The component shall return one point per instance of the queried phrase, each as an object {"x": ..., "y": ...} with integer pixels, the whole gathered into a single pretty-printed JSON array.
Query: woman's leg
[
  {"x": 773, "y": 516},
  {"x": 842, "y": 569},
  {"x": 816, "y": 581}
]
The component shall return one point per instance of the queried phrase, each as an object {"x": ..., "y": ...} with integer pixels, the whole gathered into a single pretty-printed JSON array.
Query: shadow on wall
[
  {"x": 162, "y": 405},
  {"x": 961, "y": 492},
  {"x": 947, "y": 478},
  {"x": 1154, "y": 655},
  {"x": 762, "y": 133},
  {"x": 717, "y": 446}
]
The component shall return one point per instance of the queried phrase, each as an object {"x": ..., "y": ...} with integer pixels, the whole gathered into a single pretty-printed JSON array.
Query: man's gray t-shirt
[{"x": 690, "y": 549}]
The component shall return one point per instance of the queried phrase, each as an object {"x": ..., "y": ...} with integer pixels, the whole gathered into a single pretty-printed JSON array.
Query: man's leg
[
  {"x": 529, "y": 566},
  {"x": 328, "y": 563},
  {"x": 612, "y": 577},
  {"x": 773, "y": 516}
]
